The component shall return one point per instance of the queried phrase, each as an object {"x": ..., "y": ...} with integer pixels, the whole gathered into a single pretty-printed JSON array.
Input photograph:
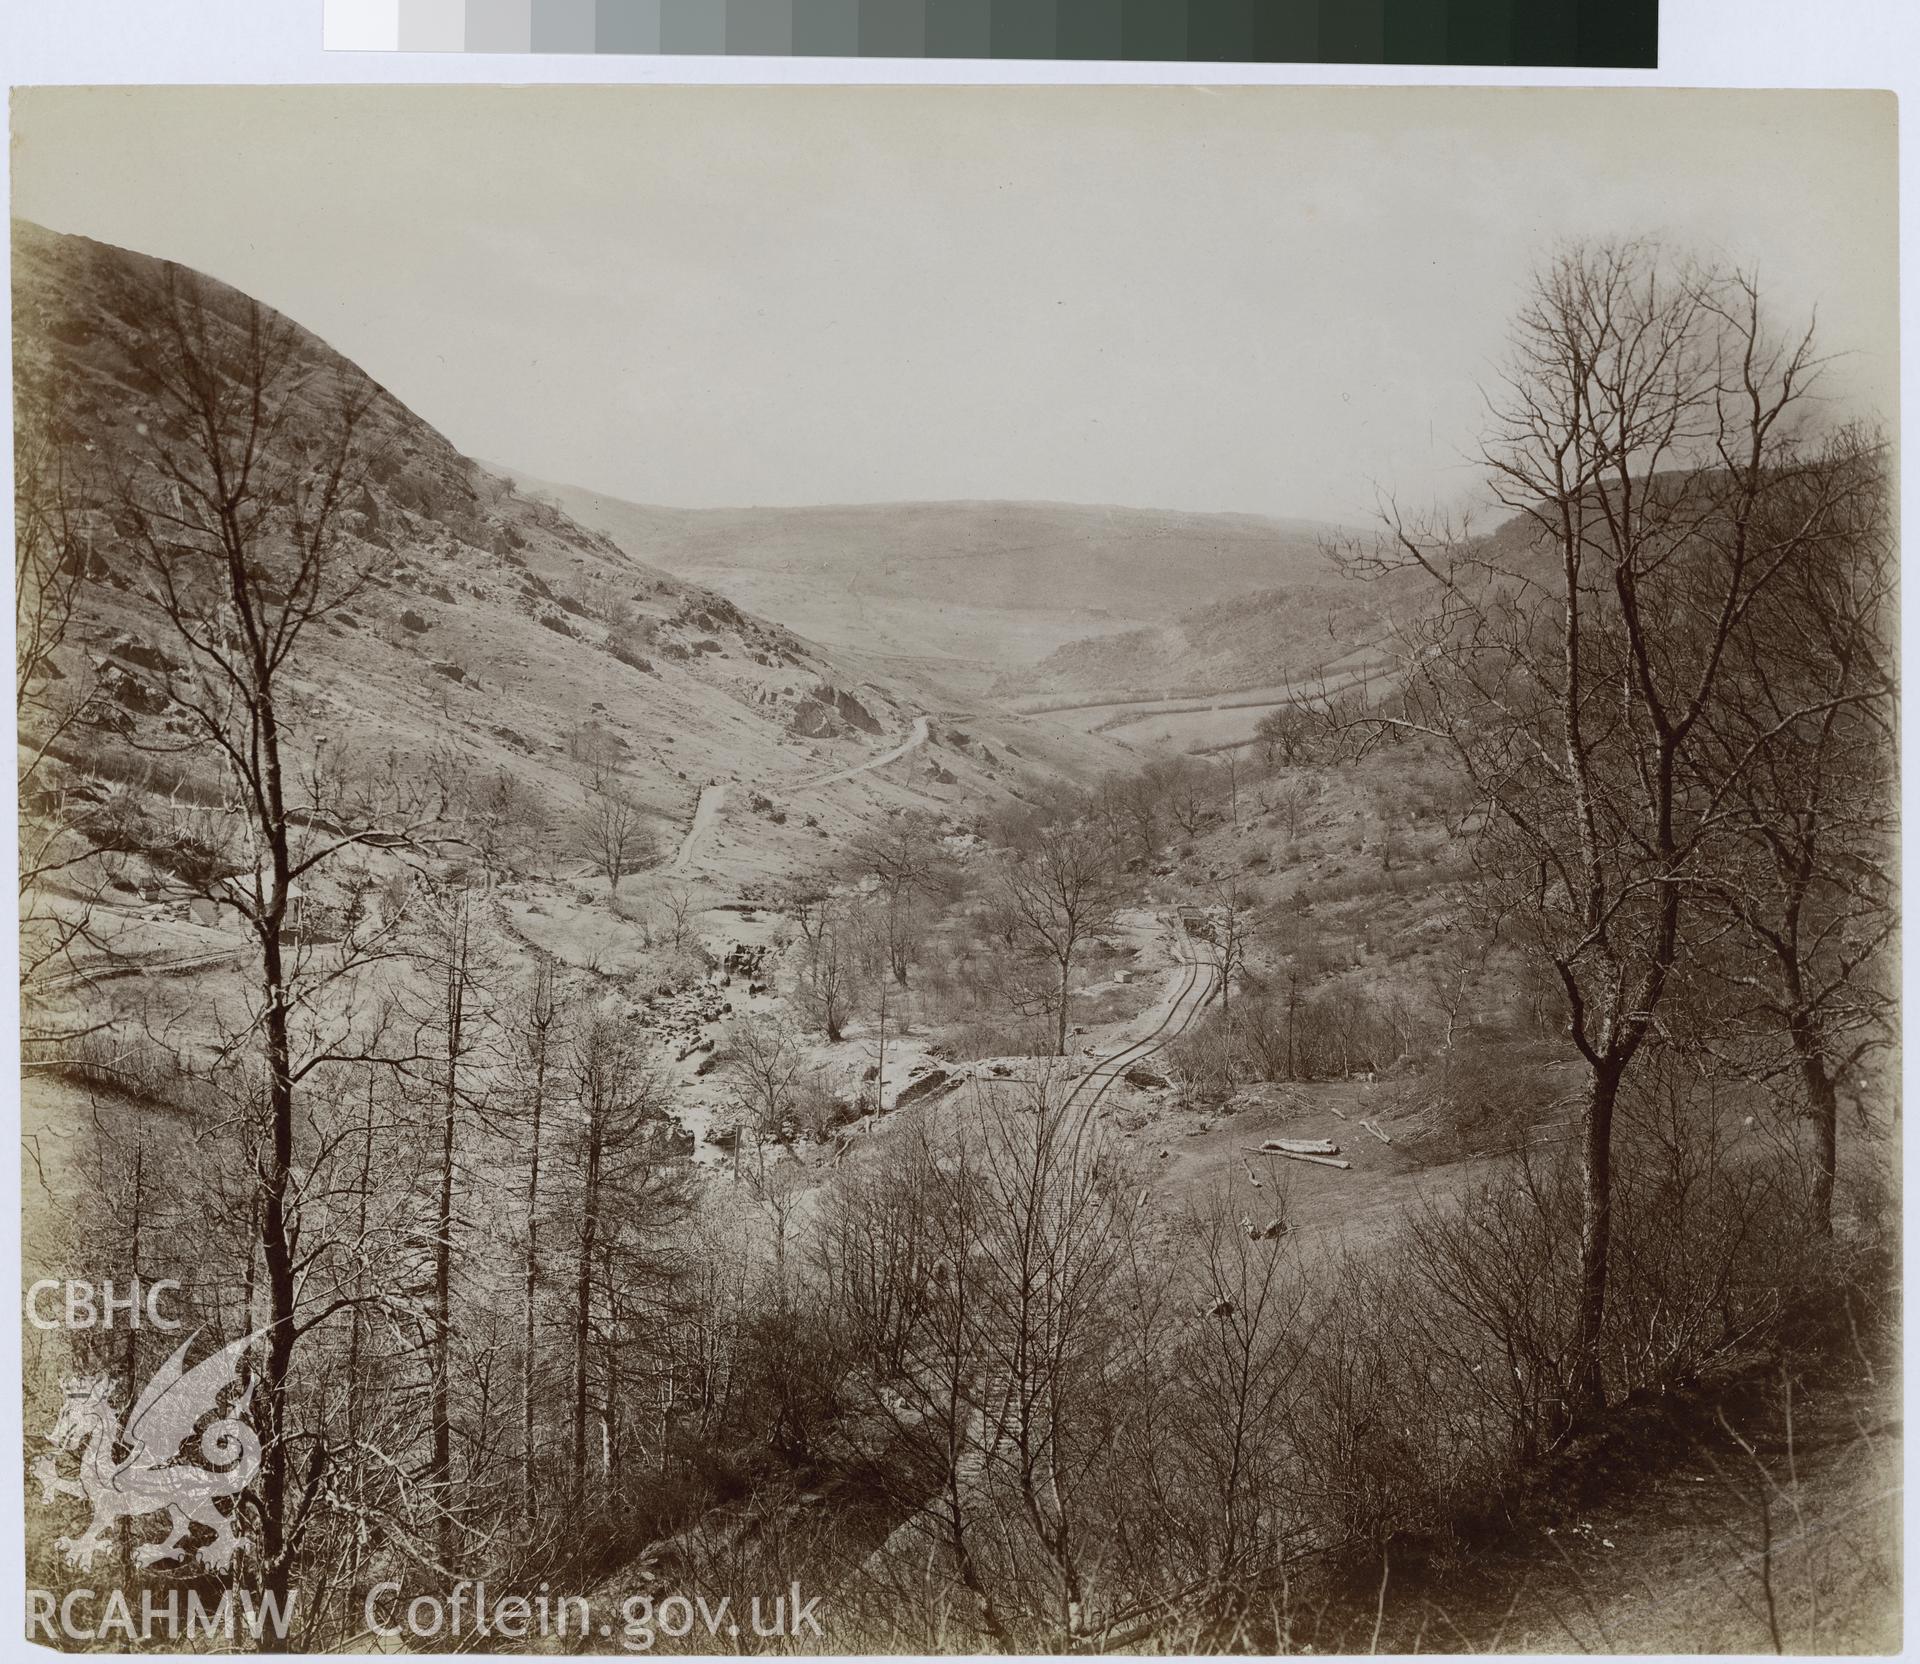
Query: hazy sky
[{"x": 1264, "y": 300}]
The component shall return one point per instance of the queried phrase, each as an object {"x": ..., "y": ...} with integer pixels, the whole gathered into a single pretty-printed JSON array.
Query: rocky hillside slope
[{"x": 495, "y": 626}]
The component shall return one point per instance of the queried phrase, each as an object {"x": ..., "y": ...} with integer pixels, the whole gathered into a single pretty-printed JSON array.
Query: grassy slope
[
  {"x": 977, "y": 587},
  {"x": 1753, "y": 1505}
]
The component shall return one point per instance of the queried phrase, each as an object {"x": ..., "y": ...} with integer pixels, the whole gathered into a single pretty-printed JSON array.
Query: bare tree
[
  {"x": 904, "y": 856},
  {"x": 598, "y": 752},
  {"x": 1046, "y": 1265},
  {"x": 1641, "y": 421},
  {"x": 1293, "y": 798},
  {"x": 1060, "y": 887},
  {"x": 1286, "y": 733},
  {"x": 1228, "y": 926},
  {"x": 1139, "y": 805},
  {"x": 878, "y": 926},
  {"x": 1186, "y": 790},
  {"x": 508, "y": 823},
  {"x": 973, "y": 1276},
  {"x": 233, "y": 505},
  {"x": 616, "y": 1173},
  {"x": 614, "y": 834},
  {"x": 763, "y": 1067},
  {"x": 534, "y": 1037},
  {"x": 832, "y": 973},
  {"x": 1230, "y": 765},
  {"x": 1236, "y": 1372},
  {"x": 1809, "y": 743},
  {"x": 454, "y": 1046}
]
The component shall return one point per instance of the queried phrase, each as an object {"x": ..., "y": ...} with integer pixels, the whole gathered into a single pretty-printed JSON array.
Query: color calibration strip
[{"x": 1590, "y": 34}]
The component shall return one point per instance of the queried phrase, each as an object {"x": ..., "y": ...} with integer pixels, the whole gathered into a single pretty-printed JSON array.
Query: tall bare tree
[
  {"x": 1810, "y": 745},
  {"x": 233, "y": 503},
  {"x": 832, "y": 972},
  {"x": 456, "y": 1052},
  {"x": 903, "y": 855},
  {"x": 623, "y": 1194},
  {"x": 534, "y": 1035},
  {"x": 1644, "y": 416}
]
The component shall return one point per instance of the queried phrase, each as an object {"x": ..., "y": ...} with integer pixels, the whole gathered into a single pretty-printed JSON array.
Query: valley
[{"x": 847, "y": 1042}]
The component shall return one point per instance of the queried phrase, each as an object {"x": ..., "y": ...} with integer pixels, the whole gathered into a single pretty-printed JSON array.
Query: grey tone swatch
[
  {"x": 627, "y": 26},
  {"x": 827, "y": 28},
  {"x": 499, "y": 25},
  {"x": 759, "y": 28},
  {"x": 433, "y": 25},
  {"x": 893, "y": 28},
  {"x": 693, "y": 26},
  {"x": 563, "y": 25}
]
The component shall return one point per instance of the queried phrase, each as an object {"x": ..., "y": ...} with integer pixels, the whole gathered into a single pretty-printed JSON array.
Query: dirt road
[
  {"x": 705, "y": 814},
  {"x": 713, "y": 799},
  {"x": 913, "y": 742}
]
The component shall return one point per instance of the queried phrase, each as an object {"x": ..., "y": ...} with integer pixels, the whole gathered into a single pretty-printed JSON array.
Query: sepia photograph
[{"x": 964, "y": 870}]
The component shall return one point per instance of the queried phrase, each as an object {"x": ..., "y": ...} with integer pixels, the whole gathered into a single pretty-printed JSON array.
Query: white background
[{"x": 1703, "y": 43}]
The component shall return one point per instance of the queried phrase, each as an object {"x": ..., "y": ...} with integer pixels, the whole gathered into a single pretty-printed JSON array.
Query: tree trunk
[
  {"x": 357, "y": 1323},
  {"x": 276, "y": 1232},
  {"x": 880, "y": 1060},
  {"x": 276, "y": 1248},
  {"x": 1596, "y": 1228},
  {"x": 440, "y": 1460},
  {"x": 530, "y": 1284},
  {"x": 583, "y": 1314},
  {"x": 1293, "y": 1003},
  {"x": 1824, "y": 1108}
]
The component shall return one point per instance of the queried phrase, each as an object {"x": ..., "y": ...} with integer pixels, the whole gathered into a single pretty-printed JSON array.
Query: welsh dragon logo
[{"x": 129, "y": 1470}]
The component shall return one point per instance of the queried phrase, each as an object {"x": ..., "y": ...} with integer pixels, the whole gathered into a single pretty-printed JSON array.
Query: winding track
[
  {"x": 995, "y": 1391},
  {"x": 705, "y": 814},
  {"x": 713, "y": 798},
  {"x": 111, "y": 971},
  {"x": 1195, "y": 992},
  {"x": 913, "y": 742}
]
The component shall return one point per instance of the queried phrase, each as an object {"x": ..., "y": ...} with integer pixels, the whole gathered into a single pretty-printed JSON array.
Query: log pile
[{"x": 1322, "y": 1152}]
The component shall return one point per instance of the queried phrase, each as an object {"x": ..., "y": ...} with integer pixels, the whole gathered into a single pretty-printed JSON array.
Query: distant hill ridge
[{"x": 1001, "y": 583}]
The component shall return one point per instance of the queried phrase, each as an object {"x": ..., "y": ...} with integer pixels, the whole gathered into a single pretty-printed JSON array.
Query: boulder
[
  {"x": 143, "y": 653},
  {"x": 629, "y": 655},
  {"x": 927, "y": 1086},
  {"x": 131, "y": 692}
]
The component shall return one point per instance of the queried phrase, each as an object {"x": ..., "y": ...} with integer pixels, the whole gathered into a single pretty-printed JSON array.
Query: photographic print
[{"x": 957, "y": 869}]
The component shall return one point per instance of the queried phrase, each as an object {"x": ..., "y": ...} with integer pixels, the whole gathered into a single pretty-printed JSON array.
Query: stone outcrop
[{"x": 827, "y": 712}]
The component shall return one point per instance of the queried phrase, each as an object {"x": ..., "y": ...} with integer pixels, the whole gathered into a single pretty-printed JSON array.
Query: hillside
[
  {"x": 495, "y": 626},
  {"x": 975, "y": 588},
  {"x": 1247, "y": 641}
]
